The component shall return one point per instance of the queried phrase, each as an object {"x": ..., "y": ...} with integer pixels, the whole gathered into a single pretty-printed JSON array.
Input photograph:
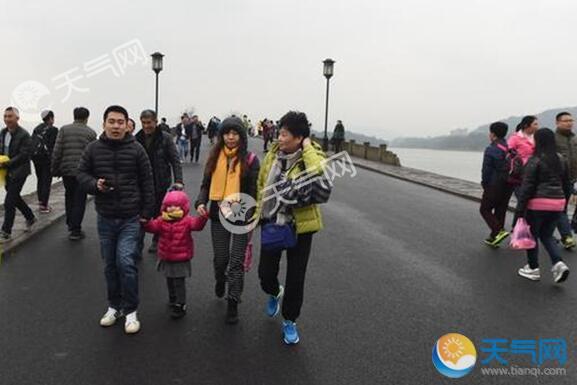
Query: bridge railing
[{"x": 366, "y": 151}]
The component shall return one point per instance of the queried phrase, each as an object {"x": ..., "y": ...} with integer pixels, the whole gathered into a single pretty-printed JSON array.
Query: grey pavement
[
  {"x": 19, "y": 231},
  {"x": 398, "y": 266}
]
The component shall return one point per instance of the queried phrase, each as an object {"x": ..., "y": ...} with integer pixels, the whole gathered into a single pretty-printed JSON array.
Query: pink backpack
[{"x": 513, "y": 167}]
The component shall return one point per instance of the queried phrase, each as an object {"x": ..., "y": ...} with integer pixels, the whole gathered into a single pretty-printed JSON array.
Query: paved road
[{"x": 398, "y": 266}]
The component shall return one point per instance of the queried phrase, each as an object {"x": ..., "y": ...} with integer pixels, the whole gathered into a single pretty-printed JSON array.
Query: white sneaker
[
  {"x": 532, "y": 274},
  {"x": 110, "y": 317},
  {"x": 560, "y": 272},
  {"x": 132, "y": 325}
]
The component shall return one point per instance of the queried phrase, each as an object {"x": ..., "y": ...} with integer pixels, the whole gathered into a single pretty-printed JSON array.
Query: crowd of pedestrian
[
  {"x": 538, "y": 166},
  {"x": 136, "y": 178}
]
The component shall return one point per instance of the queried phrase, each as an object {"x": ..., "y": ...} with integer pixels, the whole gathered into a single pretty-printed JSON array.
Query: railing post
[
  {"x": 367, "y": 145},
  {"x": 382, "y": 152}
]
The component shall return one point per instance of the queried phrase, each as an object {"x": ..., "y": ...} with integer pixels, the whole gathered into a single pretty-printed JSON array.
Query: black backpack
[
  {"x": 512, "y": 166},
  {"x": 39, "y": 145}
]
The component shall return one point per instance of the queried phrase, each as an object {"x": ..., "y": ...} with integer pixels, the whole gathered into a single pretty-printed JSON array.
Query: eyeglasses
[{"x": 567, "y": 121}]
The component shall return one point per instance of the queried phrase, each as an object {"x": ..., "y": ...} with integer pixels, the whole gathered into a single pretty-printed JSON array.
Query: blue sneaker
[
  {"x": 273, "y": 304},
  {"x": 290, "y": 332}
]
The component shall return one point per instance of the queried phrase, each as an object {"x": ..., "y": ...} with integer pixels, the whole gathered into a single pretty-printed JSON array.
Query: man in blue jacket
[{"x": 496, "y": 190}]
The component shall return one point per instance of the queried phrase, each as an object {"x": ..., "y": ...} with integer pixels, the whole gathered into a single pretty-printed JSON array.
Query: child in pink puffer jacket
[{"x": 175, "y": 246}]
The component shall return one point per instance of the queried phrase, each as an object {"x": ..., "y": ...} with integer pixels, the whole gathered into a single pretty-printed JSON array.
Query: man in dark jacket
[
  {"x": 181, "y": 137},
  {"x": 566, "y": 143},
  {"x": 496, "y": 191},
  {"x": 70, "y": 144},
  {"x": 116, "y": 170},
  {"x": 43, "y": 139},
  {"x": 164, "y": 160},
  {"x": 163, "y": 126},
  {"x": 267, "y": 133},
  {"x": 212, "y": 128},
  {"x": 338, "y": 136},
  {"x": 16, "y": 144},
  {"x": 194, "y": 135}
]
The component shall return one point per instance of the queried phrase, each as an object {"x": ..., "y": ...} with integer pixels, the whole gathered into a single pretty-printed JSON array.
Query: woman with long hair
[
  {"x": 522, "y": 144},
  {"x": 543, "y": 198},
  {"x": 230, "y": 170}
]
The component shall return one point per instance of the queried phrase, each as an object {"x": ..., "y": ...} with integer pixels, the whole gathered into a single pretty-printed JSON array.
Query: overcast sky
[{"x": 403, "y": 68}]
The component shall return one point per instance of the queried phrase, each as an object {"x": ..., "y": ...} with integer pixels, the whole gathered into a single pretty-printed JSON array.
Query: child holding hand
[{"x": 175, "y": 246}]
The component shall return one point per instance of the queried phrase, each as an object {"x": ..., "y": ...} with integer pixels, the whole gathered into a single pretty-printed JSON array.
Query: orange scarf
[{"x": 225, "y": 182}]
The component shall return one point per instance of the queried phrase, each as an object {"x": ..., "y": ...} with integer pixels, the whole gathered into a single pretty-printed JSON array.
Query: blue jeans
[
  {"x": 564, "y": 226},
  {"x": 182, "y": 148},
  {"x": 119, "y": 247},
  {"x": 543, "y": 224}
]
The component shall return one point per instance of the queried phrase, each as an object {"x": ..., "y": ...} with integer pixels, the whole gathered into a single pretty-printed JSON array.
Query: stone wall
[{"x": 366, "y": 151}]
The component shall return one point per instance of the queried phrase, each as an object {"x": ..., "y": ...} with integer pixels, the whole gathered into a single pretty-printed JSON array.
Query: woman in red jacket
[{"x": 175, "y": 246}]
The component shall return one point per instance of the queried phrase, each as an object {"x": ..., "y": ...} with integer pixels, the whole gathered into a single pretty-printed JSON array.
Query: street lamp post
[
  {"x": 156, "y": 67},
  {"x": 328, "y": 72}
]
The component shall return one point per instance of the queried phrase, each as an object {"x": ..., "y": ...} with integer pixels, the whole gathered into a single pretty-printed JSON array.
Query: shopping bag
[{"x": 522, "y": 239}]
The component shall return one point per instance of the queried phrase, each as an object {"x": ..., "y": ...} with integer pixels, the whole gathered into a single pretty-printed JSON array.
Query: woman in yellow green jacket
[{"x": 291, "y": 184}]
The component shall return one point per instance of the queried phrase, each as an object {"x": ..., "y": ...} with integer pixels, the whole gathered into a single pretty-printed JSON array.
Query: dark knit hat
[{"x": 233, "y": 123}]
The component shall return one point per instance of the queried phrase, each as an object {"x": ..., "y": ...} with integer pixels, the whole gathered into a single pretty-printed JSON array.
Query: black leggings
[
  {"x": 195, "y": 149},
  {"x": 494, "y": 204},
  {"x": 13, "y": 201},
  {"x": 176, "y": 290},
  {"x": 44, "y": 179},
  {"x": 297, "y": 260}
]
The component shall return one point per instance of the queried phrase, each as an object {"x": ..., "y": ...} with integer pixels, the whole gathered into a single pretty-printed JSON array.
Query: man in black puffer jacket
[
  {"x": 117, "y": 171},
  {"x": 164, "y": 160}
]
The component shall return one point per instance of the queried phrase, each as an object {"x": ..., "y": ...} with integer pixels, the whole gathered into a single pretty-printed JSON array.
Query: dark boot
[
  {"x": 76, "y": 235},
  {"x": 171, "y": 300},
  {"x": 177, "y": 311},
  {"x": 232, "y": 312},
  {"x": 219, "y": 288}
]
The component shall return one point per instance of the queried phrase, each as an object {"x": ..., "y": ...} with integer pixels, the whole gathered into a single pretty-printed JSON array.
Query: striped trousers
[{"x": 229, "y": 252}]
